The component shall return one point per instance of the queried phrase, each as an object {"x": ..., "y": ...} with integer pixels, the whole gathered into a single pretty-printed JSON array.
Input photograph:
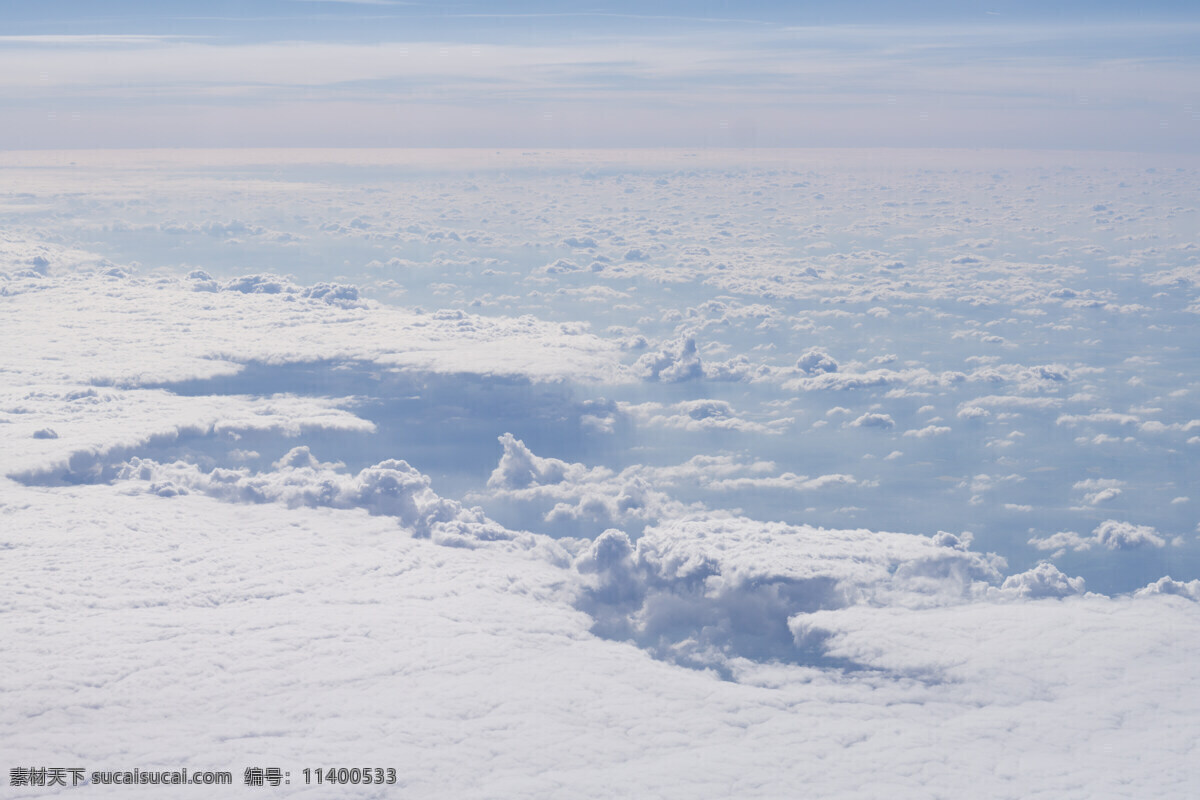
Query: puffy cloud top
[
  {"x": 676, "y": 362},
  {"x": 520, "y": 468},
  {"x": 815, "y": 361},
  {"x": 390, "y": 488},
  {"x": 872, "y": 420},
  {"x": 1117, "y": 535},
  {"x": 1043, "y": 580}
]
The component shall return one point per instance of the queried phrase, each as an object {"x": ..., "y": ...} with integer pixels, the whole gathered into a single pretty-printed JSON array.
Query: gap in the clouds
[
  {"x": 203, "y": 448},
  {"x": 683, "y": 622},
  {"x": 445, "y": 425}
]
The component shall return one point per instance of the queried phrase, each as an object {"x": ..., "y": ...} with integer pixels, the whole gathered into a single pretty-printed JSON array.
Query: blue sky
[{"x": 324, "y": 73}]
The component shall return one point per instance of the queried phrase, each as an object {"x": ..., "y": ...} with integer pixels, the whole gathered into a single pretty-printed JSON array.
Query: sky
[
  {"x": 1106, "y": 76},
  {"x": 641, "y": 400}
]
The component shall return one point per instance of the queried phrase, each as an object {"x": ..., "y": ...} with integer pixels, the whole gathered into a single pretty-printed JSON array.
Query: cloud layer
[{"x": 563, "y": 475}]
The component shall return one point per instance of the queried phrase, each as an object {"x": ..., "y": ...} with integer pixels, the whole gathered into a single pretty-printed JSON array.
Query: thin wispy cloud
[
  {"x": 91, "y": 39},
  {"x": 361, "y": 2},
  {"x": 953, "y": 85}
]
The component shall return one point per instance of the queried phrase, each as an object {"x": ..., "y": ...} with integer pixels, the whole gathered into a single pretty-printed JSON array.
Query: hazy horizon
[{"x": 299, "y": 73}]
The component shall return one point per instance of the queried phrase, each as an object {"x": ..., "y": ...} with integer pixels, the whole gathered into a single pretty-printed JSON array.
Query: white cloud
[
  {"x": 519, "y": 468},
  {"x": 150, "y": 534},
  {"x": 1119, "y": 535},
  {"x": 1062, "y": 541},
  {"x": 871, "y": 420},
  {"x": 330, "y": 597},
  {"x": 1113, "y": 534},
  {"x": 701, "y": 415},
  {"x": 391, "y": 488},
  {"x": 1165, "y": 585},
  {"x": 704, "y": 590},
  {"x": 92, "y": 425},
  {"x": 1111, "y": 417},
  {"x": 786, "y": 480},
  {"x": 186, "y": 334},
  {"x": 677, "y": 361},
  {"x": 1043, "y": 580},
  {"x": 1099, "y": 490},
  {"x": 815, "y": 361},
  {"x": 572, "y": 491},
  {"x": 927, "y": 431}
]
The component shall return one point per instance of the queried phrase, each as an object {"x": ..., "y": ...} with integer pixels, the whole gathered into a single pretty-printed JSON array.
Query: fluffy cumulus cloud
[
  {"x": 1112, "y": 534},
  {"x": 871, "y": 420},
  {"x": 519, "y": 468},
  {"x": 391, "y": 488},
  {"x": 573, "y": 491},
  {"x": 559, "y": 491},
  {"x": 704, "y": 591},
  {"x": 927, "y": 431},
  {"x": 675, "y": 362},
  {"x": 1166, "y": 585},
  {"x": 1119, "y": 535},
  {"x": 1099, "y": 490},
  {"x": 1043, "y": 580},
  {"x": 679, "y": 361},
  {"x": 702, "y": 415},
  {"x": 815, "y": 361}
]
